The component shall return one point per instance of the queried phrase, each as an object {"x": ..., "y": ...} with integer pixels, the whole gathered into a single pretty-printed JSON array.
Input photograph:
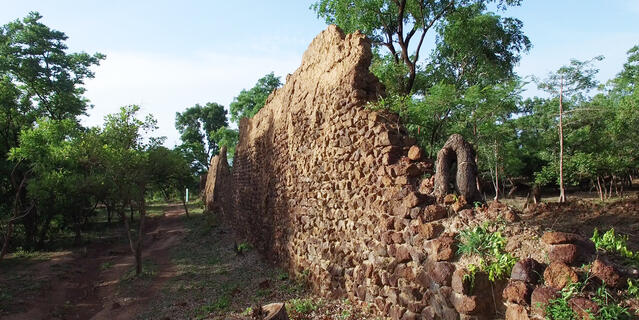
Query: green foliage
[
  {"x": 197, "y": 126},
  {"x": 612, "y": 242},
  {"x": 393, "y": 24},
  {"x": 228, "y": 138},
  {"x": 633, "y": 289},
  {"x": 489, "y": 245},
  {"x": 303, "y": 306},
  {"x": 243, "y": 247},
  {"x": 608, "y": 308},
  {"x": 249, "y": 102},
  {"x": 35, "y": 56}
]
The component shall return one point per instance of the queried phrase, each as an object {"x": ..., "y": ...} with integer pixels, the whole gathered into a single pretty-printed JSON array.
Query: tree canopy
[{"x": 249, "y": 102}]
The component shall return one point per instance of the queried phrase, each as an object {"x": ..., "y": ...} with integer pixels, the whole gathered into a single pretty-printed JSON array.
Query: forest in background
[{"x": 55, "y": 172}]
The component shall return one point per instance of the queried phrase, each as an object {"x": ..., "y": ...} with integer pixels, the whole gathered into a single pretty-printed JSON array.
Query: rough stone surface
[
  {"x": 516, "y": 312},
  {"x": 456, "y": 149},
  {"x": 559, "y": 274},
  {"x": 442, "y": 273},
  {"x": 540, "y": 297},
  {"x": 584, "y": 308},
  {"x": 517, "y": 292},
  {"x": 607, "y": 273},
  {"x": 566, "y": 253},
  {"x": 444, "y": 248},
  {"x": 527, "y": 270},
  {"x": 586, "y": 246},
  {"x": 324, "y": 186},
  {"x": 216, "y": 192},
  {"x": 415, "y": 153}
]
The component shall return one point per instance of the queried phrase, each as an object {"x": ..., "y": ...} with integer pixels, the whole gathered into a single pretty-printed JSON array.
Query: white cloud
[{"x": 163, "y": 85}]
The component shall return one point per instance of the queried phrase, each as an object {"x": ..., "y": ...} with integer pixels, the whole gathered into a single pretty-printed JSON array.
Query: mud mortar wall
[{"x": 322, "y": 184}]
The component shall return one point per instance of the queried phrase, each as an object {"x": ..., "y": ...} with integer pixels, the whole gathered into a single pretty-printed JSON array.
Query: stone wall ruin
[{"x": 322, "y": 184}]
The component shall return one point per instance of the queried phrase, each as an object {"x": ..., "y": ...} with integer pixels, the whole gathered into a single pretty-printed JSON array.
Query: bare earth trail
[{"x": 94, "y": 285}]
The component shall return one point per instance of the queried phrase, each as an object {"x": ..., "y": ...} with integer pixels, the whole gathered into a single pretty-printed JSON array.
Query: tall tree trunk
[
  {"x": 109, "y": 211},
  {"x": 44, "y": 231},
  {"x": 127, "y": 228},
  {"x": 186, "y": 207},
  {"x": 16, "y": 212},
  {"x": 496, "y": 173},
  {"x": 601, "y": 195},
  {"x": 138, "y": 246},
  {"x": 562, "y": 191}
]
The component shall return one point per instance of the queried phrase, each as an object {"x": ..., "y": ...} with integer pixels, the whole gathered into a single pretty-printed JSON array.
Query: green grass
[
  {"x": 303, "y": 306},
  {"x": 609, "y": 305}
]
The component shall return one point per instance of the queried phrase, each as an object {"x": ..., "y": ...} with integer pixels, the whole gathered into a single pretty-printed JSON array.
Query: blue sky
[{"x": 169, "y": 55}]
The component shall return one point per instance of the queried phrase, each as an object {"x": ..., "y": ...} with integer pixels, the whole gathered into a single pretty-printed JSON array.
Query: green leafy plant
[
  {"x": 243, "y": 247},
  {"x": 608, "y": 308},
  {"x": 490, "y": 247},
  {"x": 303, "y": 306},
  {"x": 633, "y": 289},
  {"x": 247, "y": 312},
  {"x": 559, "y": 309},
  {"x": 616, "y": 243}
]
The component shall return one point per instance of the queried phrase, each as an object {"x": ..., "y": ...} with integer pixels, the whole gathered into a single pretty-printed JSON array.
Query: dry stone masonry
[{"x": 340, "y": 194}]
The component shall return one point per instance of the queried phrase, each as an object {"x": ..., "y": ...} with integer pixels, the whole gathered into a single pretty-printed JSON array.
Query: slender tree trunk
[
  {"x": 44, "y": 231},
  {"x": 562, "y": 192},
  {"x": 16, "y": 212},
  {"x": 601, "y": 195},
  {"x": 496, "y": 173},
  {"x": 186, "y": 207},
  {"x": 138, "y": 247},
  {"x": 127, "y": 228},
  {"x": 109, "y": 212},
  {"x": 612, "y": 181}
]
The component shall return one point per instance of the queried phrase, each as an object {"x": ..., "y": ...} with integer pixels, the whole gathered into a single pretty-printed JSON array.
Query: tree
[
  {"x": 394, "y": 24},
  {"x": 127, "y": 168},
  {"x": 249, "y": 102},
  {"x": 195, "y": 125},
  {"x": 38, "y": 79},
  {"x": 572, "y": 82},
  {"x": 474, "y": 48},
  {"x": 228, "y": 138},
  {"x": 170, "y": 173},
  {"x": 34, "y": 56}
]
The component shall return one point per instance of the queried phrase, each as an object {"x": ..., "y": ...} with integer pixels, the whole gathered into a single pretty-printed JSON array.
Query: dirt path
[{"x": 97, "y": 283}]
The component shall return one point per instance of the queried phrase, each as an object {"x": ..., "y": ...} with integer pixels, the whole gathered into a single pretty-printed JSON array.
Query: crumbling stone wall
[
  {"x": 218, "y": 186},
  {"x": 322, "y": 184}
]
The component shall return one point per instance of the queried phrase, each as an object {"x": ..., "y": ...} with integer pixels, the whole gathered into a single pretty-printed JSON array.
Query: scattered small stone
[
  {"x": 527, "y": 270},
  {"x": 540, "y": 297},
  {"x": 584, "y": 308},
  {"x": 415, "y": 153},
  {"x": 559, "y": 274},
  {"x": 443, "y": 248},
  {"x": 607, "y": 273},
  {"x": 566, "y": 253},
  {"x": 517, "y": 292}
]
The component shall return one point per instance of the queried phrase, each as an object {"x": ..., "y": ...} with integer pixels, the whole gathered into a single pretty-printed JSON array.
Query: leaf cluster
[{"x": 489, "y": 245}]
